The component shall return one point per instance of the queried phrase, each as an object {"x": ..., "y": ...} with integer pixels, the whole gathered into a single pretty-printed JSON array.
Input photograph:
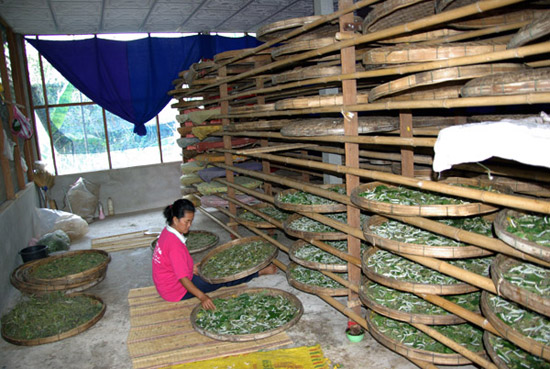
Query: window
[{"x": 76, "y": 135}]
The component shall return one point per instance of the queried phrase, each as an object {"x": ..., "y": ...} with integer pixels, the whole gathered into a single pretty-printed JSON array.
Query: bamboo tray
[
  {"x": 316, "y": 71},
  {"x": 243, "y": 273},
  {"x": 422, "y": 36},
  {"x": 299, "y": 244},
  {"x": 317, "y": 101},
  {"x": 499, "y": 17},
  {"x": 336, "y": 235},
  {"x": 437, "y": 76},
  {"x": 425, "y": 52},
  {"x": 449, "y": 210},
  {"x": 532, "y": 248},
  {"x": 301, "y": 46},
  {"x": 58, "y": 337},
  {"x": 310, "y": 288},
  {"x": 261, "y": 224},
  {"x": 445, "y": 318},
  {"x": 411, "y": 352},
  {"x": 226, "y": 55},
  {"x": 253, "y": 336},
  {"x": 413, "y": 287},
  {"x": 193, "y": 248},
  {"x": 276, "y": 29},
  {"x": 335, "y": 207},
  {"x": 394, "y": 12},
  {"x": 526, "y": 360},
  {"x": 436, "y": 251},
  {"x": 536, "y": 29},
  {"x": 511, "y": 334},
  {"x": 513, "y": 83},
  {"x": 534, "y": 301},
  {"x": 335, "y": 126},
  {"x": 450, "y": 90}
]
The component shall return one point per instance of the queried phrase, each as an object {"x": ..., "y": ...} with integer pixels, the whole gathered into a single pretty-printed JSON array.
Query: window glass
[
  {"x": 43, "y": 137},
  {"x": 128, "y": 149},
  {"x": 169, "y": 133},
  {"x": 79, "y": 139},
  {"x": 33, "y": 66}
]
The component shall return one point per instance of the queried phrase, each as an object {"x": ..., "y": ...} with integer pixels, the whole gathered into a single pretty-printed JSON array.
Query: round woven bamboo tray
[
  {"x": 70, "y": 279},
  {"x": 536, "y": 29},
  {"x": 300, "y": 74},
  {"x": 458, "y": 210},
  {"x": 252, "y": 108},
  {"x": 316, "y": 290},
  {"x": 262, "y": 224},
  {"x": 297, "y": 245},
  {"x": 321, "y": 208},
  {"x": 253, "y": 336},
  {"x": 424, "y": 53},
  {"x": 489, "y": 341},
  {"x": 197, "y": 249},
  {"x": 534, "y": 301},
  {"x": 335, "y": 126},
  {"x": 58, "y": 337},
  {"x": 413, "y": 353},
  {"x": 437, "y": 76},
  {"x": 499, "y": 17},
  {"x": 311, "y": 235},
  {"x": 394, "y": 12},
  {"x": 276, "y": 29},
  {"x": 226, "y": 55},
  {"x": 403, "y": 316},
  {"x": 435, "y": 289},
  {"x": 318, "y": 101},
  {"x": 532, "y": 248},
  {"x": 449, "y": 90},
  {"x": 301, "y": 46},
  {"x": 513, "y": 83},
  {"x": 243, "y": 273},
  {"x": 422, "y": 36},
  {"x": 528, "y": 344},
  {"x": 443, "y": 252}
]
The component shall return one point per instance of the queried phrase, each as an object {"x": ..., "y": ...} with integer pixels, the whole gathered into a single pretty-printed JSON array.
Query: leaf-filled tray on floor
[
  {"x": 524, "y": 283},
  {"x": 253, "y": 314},
  {"x": 506, "y": 355},
  {"x": 237, "y": 259},
  {"x": 406, "y": 340},
  {"x": 310, "y": 256},
  {"x": 404, "y": 238},
  {"x": 303, "y": 227},
  {"x": 408, "y": 307},
  {"x": 397, "y": 272},
  {"x": 296, "y": 200},
  {"x": 521, "y": 326},
  {"x": 51, "y": 317},
  {"x": 314, "y": 281},
  {"x": 529, "y": 233},
  {"x": 398, "y": 200},
  {"x": 250, "y": 219}
]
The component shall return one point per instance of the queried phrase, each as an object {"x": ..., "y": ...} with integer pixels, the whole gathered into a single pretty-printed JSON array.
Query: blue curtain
[{"x": 132, "y": 78}]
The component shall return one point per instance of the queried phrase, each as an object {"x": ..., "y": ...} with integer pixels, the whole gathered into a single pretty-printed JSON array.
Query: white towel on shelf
[{"x": 524, "y": 140}]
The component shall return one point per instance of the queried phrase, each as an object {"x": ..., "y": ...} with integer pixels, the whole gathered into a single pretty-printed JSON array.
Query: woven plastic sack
[
  {"x": 83, "y": 198},
  {"x": 189, "y": 179},
  {"x": 216, "y": 187},
  {"x": 192, "y": 166}
]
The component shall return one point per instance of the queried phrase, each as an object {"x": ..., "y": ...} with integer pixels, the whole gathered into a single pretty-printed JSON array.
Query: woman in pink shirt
[{"x": 174, "y": 273}]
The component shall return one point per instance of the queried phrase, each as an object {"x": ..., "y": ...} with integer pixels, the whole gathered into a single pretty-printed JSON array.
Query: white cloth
[
  {"x": 525, "y": 140},
  {"x": 182, "y": 238}
]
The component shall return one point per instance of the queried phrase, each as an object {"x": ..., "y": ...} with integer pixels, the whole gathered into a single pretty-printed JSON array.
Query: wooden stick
[
  {"x": 345, "y": 310},
  {"x": 217, "y": 221},
  {"x": 342, "y": 255},
  {"x": 274, "y": 148},
  {"x": 484, "y": 363},
  {"x": 476, "y": 33}
]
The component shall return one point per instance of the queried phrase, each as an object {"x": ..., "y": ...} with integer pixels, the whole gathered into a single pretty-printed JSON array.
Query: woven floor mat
[
  {"x": 124, "y": 241},
  {"x": 161, "y": 333}
]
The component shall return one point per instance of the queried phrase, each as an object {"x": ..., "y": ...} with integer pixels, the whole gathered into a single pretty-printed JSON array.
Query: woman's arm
[{"x": 206, "y": 302}]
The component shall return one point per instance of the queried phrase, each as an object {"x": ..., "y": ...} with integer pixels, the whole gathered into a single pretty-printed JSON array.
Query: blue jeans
[{"x": 206, "y": 287}]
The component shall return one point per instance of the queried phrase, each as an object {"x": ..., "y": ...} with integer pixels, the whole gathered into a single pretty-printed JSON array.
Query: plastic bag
[
  {"x": 189, "y": 179},
  {"x": 83, "y": 199},
  {"x": 48, "y": 220},
  {"x": 57, "y": 240}
]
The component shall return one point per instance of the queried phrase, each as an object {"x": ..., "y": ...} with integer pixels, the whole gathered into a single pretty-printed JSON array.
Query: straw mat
[
  {"x": 161, "y": 333},
  {"x": 124, "y": 241}
]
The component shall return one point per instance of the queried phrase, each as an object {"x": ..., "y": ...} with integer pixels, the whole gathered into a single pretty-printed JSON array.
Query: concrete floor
[{"x": 104, "y": 344}]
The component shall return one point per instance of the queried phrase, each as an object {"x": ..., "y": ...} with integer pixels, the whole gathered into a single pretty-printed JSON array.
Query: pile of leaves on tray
[
  {"x": 247, "y": 314},
  {"x": 306, "y": 198},
  {"x": 407, "y": 196},
  {"x": 67, "y": 265},
  {"x": 270, "y": 211},
  {"x": 515, "y": 357},
  {"x": 534, "y": 228},
  {"x": 236, "y": 259},
  {"x": 311, "y": 253},
  {"x": 531, "y": 277},
  {"x": 306, "y": 224},
  {"x": 198, "y": 240},
  {"x": 48, "y": 315},
  {"x": 314, "y": 277}
]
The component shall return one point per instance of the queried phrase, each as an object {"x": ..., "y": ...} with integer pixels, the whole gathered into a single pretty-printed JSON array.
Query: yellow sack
[
  {"x": 201, "y": 132},
  {"x": 306, "y": 357}
]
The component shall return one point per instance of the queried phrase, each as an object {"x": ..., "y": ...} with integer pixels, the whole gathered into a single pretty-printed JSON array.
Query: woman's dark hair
[{"x": 178, "y": 210}]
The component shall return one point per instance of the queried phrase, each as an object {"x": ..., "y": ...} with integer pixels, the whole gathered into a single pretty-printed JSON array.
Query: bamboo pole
[
  {"x": 473, "y": 238},
  {"x": 345, "y": 310},
  {"x": 220, "y": 223},
  {"x": 274, "y": 148},
  {"x": 476, "y": 33},
  {"x": 458, "y": 310},
  {"x": 484, "y": 363},
  {"x": 470, "y": 193},
  {"x": 342, "y": 255},
  {"x": 451, "y": 15}
]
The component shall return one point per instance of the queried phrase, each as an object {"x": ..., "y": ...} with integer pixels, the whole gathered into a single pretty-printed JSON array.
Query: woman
[{"x": 174, "y": 273}]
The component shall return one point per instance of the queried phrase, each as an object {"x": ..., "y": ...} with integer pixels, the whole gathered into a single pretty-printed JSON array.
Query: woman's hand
[{"x": 207, "y": 303}]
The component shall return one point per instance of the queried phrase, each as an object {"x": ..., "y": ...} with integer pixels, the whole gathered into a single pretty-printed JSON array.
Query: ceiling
[{"x": 130, "y": 16}]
